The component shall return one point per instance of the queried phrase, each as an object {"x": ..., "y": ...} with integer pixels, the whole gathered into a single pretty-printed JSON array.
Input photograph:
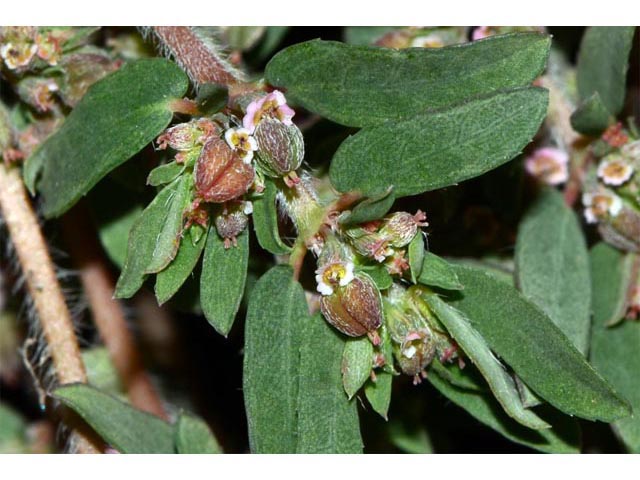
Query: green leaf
[
  {"x": 265, "y": 221},
  {"x": 591, "y": 117},
  {"x": 378, "y": 84},
  {"x": 169, "y": 280},
  {"x": 562, "y": 438},
  {"x": 528, "y": 341},
  {"x": 164, "y": 174},
  {"x": 101, "y": 373},
  {"x": 142, "y": 241},
  {"x": 379, "y": 393},
  {"x": 167, "y": 239},
  {"x": 357, "y": 360},
  {"x": 474, "y": 346},
  {"x": 552, "y": 266},
  {"x": 192, "y": 436},
  {"x": 416, "y": 256},
  {"x": 437, "y": 149},
  {"x": 224, "y": 273},
  {"x": 117, "y": 117},
  {"x": 614, "y": 351},
  {"x": 273, "y": 339},
  {"x": 127, "y": 429},
  {"x": 379, "y": 274},
  {"x": 603, "y": 62},
  {"x": 437, "y": 272},
  {"x": 369, "y": 209},
  {"x": 328, "y": 422},
  {"x": 292, "y": 385}
]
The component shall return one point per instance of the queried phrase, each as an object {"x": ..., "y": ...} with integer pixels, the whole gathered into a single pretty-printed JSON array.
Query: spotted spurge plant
[{"x": 405, "y": 212}]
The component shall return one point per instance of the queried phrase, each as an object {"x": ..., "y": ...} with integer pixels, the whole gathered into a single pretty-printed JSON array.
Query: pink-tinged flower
[
  {"x": 332, "y": 275},
  {"x": 241, "y": 141},
  {"x": 600, "y": 205},
  {"x": 614, "y": 171},
  {"x": 271, "y": 105},
  {"x": 549, "y": 165}
]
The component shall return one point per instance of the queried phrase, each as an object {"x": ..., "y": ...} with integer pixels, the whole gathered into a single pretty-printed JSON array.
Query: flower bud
[
  {"x": 280, "y": 147},
  {"x": 355, "y": 309},
  {"x": 400, "y": 227},
  {"x": 220, "y": 173},
  {"x": 38, "y": 92},
  {"x": 233, "y": 221}
]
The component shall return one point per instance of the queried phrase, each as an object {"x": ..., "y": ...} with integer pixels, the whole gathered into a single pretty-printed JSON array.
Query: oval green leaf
[
  {"x": 537, "y": 350},
  {"x": 357, "y": 360},
  {"x": 437, "y": 149},
  {"x": 127, "y": 429},
  {"x": 360, "y": 85},
  {"x": 224, "y": 273},
  {"x": 193, "y": 436},
  {"x": 552, "y": 266},
  {"x": 437, "y": 272},
  {"x": 117, "y": 117}
]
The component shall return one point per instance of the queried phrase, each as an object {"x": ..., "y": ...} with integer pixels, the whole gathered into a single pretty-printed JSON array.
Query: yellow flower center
[{"x": 334, "y": 273}]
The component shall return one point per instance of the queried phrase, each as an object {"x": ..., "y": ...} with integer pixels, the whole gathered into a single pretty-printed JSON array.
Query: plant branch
[
  {"x": 98, "y": 284},
  {"x": 42, "y": 284}
]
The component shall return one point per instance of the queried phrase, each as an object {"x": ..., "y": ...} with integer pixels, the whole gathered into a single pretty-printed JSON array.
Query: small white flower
[
  {"x": 241, "y": 141},
  {"x": 332, "y": 275},
  {"x": 428, "y": 41},
  {"x": 409, "y": 352},
  {"x": 615, "y": 171},
  {"x": 599, "y": 205},
  {"x": 17, "y": 56},
  {"x": 247, "y": 208}
]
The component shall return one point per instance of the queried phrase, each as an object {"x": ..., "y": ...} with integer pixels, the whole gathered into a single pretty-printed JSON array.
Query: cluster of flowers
[
  {"x": 230, "y": 158},
  {"x": 616, "y": 179},
  {"x": 27, "y": 55},
  {"x": 352, "y": 302}
]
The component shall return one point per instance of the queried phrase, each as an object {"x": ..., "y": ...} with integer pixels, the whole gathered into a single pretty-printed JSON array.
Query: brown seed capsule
[
  {"x": 220, "y": 174},
  {"x": 356, "y": 308},
  {"x": 280, "y": 147},
  {"x": 400, "y": 227}
]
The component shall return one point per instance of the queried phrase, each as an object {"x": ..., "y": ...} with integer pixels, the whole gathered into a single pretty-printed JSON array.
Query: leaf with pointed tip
[
  {"x": 117, "y": 117},
  {"x": 437, "y": 149},
  {"x": 357, "y": 360},
  {"x": 127, "y": 429},
  {"x": 265, "y": 221},
  {"x": 416, "y": 257},
  {"x": 379, "y": 393},
  {"x": 169, "y": 280},
  {"x": 614, "y": 350},
  {"x": 537, "y": 350},
  {"x": 474, "y": 346},
  {"x": 224, "y": 273},
  {"x": 164, "y": 174},
  {"x": 167, "y": 240},
  {"x": 591, "y": 117},
  {"x": 192, "y": 436},
  {"x": 378, "y": 84},
  {"x": 142, "y": 241},
  {"x": 372, "y": 208},
  {"x": 437, "y": 272},
  {"x": 552, "y": 266}
]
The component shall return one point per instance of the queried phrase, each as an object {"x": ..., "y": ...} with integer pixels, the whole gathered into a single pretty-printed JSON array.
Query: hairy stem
[
  {"x": 42, "y": 284},
  {"x": 198, "y": 56},
  {"x": 98, "y": 284}
]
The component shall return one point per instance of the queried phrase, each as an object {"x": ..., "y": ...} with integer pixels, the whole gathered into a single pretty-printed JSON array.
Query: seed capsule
[
  {"x": 280, "y": 147},
  {"x": 220, "y": 173},
  {"x": 400, "y": 227},
  {"x": 354, "y": 309}
]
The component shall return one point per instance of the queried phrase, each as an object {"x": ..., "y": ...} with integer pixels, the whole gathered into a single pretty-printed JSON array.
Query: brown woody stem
[{"x": 42, "y": 285}]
